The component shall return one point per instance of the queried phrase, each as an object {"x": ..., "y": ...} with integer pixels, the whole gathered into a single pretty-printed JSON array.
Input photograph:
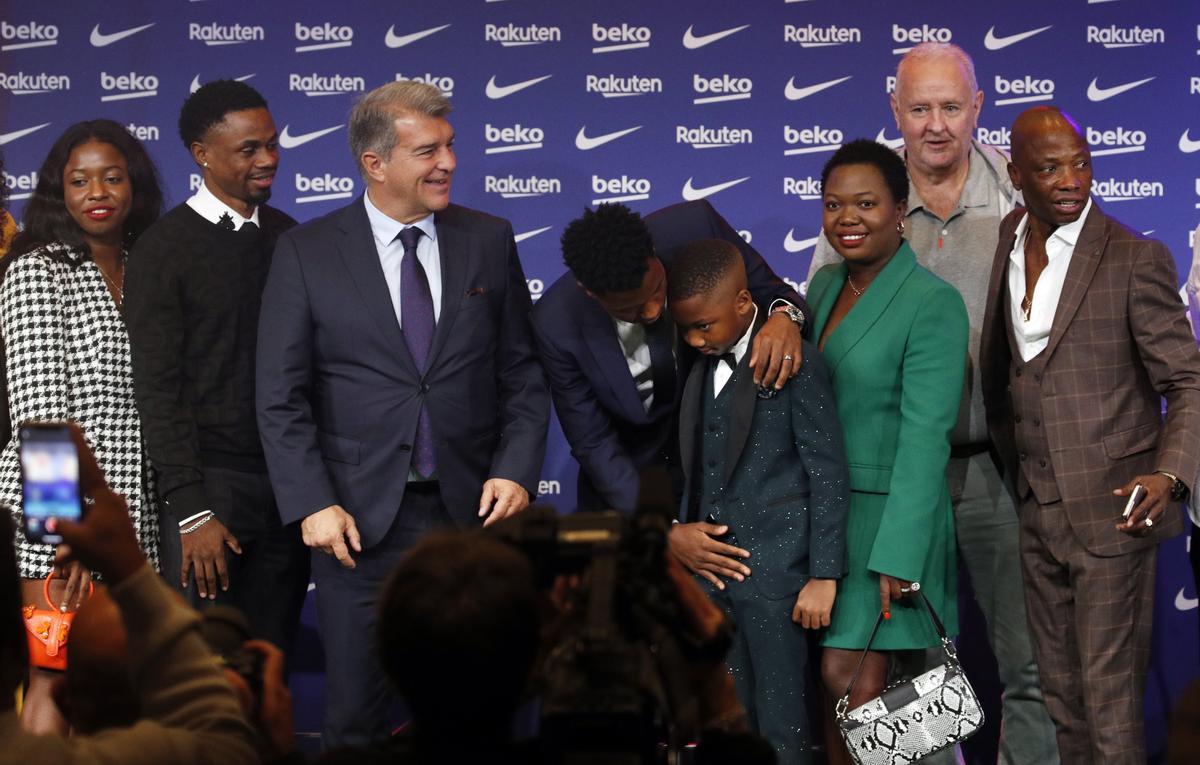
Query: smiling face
[
  {"x": 97, "y": 192},
  {"x": 415, "y": 180},
  {"x": 239, "y": 156},
  {"x": 936, "y": 113},
  {"x": 860, "y": 217},
  {"x": 1051, "y": 166}
]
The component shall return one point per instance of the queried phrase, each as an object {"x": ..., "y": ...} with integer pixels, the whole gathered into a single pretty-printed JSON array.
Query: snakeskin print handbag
[{"x": 913, "y": 718}]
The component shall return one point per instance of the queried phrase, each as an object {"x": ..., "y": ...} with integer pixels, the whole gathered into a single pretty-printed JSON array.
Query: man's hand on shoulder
[
  {"x": 333, "y": 532},
  {"x": 776, "y": 351},
  {"x": 501, "y": 498},
  {"x": 694, "y": 546},
  {"x": 204, "y": 551}
]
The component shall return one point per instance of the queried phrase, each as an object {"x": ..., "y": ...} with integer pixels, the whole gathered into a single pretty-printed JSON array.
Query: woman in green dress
[{"x": 895, "y": 339}]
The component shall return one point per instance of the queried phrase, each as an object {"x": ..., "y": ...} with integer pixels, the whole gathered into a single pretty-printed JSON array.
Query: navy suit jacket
[
  {"x": 786, "y": 485},
  {"x": 339, "y": 394},
  {"x": 598, "y": 405}
]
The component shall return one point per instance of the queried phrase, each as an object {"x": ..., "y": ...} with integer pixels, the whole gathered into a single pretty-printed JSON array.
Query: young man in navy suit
[
  {"x": 765, "y": 471},
  {"x": 398, "y": 382},
  {"x": 608, "y": 346}
]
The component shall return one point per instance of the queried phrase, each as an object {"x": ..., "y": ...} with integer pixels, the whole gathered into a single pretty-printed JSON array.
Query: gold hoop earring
[{"x": 900, "y": 227}]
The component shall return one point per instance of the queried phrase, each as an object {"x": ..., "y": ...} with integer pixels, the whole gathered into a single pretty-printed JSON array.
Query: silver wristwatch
[{"x": 793, "y": 313}]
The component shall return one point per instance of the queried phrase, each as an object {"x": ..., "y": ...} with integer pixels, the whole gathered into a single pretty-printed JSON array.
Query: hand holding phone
[
  {"x": 1135, "y": 498},
  {"x": 49, "y": 480}
]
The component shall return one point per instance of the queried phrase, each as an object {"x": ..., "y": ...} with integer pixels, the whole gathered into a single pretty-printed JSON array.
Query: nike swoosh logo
[
  {"x": 795, "y": 94},
  {"x": 583, "y": 142},
  {"x": 1187, "y": 145},
  {"x": 14, "y": 135},
  {"x": 1184, "y": 603},
  {"x": 393, "y": 40},
  {"x": 792, "y": 244},
  {"x": 531, "y": 234},
  {"x": 692, "y": 194},
  {"x": 99, "y": 40},
  {"x": 891, "y": 143},
  {"x": 287, "y": 141},
  {"x": 692, "y": 42},
  {"x": 503, "y": 91},
  {"x": 991, "y": 42},
  {"x": 1097, "y": 93}
]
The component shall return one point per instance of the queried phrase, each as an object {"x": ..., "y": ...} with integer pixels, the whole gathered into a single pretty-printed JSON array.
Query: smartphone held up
[{"x": 49, "y": 480}]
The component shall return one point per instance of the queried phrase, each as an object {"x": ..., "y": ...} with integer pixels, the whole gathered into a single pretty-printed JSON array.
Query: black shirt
[{"x": 192, "y": 297}]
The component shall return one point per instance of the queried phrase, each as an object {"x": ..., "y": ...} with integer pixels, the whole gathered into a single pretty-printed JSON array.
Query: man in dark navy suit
[
  {"x": 611, "y": 353},
  {"x": 398, "y": 382}
]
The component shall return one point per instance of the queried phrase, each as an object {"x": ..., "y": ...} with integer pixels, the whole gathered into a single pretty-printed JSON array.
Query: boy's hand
[
  {"x": 694, "y": 546},
  {"x": 814, "y": 604}
]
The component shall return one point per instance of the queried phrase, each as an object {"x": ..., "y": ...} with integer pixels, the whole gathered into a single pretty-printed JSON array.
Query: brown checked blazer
[{"x": 1120, "y": 344}]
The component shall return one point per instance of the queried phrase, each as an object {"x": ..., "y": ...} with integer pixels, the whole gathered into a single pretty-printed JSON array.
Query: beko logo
[
  {"x": 1125, "y": 37},
  {"x": 703, "y": 137},
  {"x": 22, "y": 84},
  {"x": 908, "y": 37},
  {"x": 512, "y": 187},
  {"x": 1117, "y": 141},
  {"x": 808, "y": 188},
  {"x": 1113, "y": 190},
  {"x": 811, "y": 140},
  {"x": 536, "y": 287},
  {"x": 143, "y": 132},
  {"x": 323, "y": 37},
  {"x": 612, "y": 86},
  {"x": 132, "y": 85},
  {"x": 515, "y": 138},
  {"x": 31, "y": 35},
  {"x": 444, "y": 84},
  {"x": 811, "y": 36},
  {"x": 1024, "y": 90},
  {"x": 1001, "y": 137},
  {"x": 712, "y": 90},
  {"x": 322, "y": 188},
  {"x": 20, "y": 186},
  {"x": 623, "y": 37},
  {"x": 511, "y": 35},
  {"x": 325, "y": 85},
  {"x": 225, "y": 34},
  {"x": 623, "y": 189}
]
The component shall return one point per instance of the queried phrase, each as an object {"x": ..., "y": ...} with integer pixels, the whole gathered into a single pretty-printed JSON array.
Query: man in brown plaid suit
[{"x": 1084, "y": 335}]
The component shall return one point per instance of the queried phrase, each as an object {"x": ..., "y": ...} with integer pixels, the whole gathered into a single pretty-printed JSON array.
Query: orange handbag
[{"x": 48, "y": 630}]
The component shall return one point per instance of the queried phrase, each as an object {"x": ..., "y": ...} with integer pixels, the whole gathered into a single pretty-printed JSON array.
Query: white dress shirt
[
  {"x": 207, "y": 206},
  {"x": 632, "y": 337},
  {"x": 1033, "y": 335},
  {"x": 384, "y": 229},
  {"x": 722, "y": 372}
]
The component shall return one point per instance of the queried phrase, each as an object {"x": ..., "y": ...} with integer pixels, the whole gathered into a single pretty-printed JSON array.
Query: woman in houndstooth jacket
[{"x": 66, "y": 348}]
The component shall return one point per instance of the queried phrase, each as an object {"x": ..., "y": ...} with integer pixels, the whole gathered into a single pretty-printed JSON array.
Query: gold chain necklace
[
  {"x": 857, "y": 292},
  {"x": 120, "y": 288}
]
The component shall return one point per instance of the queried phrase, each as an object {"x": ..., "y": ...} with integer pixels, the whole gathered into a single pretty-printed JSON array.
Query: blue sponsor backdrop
[{"x": 560, "y": 105}]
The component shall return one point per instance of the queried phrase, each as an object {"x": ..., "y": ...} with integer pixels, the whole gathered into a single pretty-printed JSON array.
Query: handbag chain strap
[{"x": 947, "y": 648}]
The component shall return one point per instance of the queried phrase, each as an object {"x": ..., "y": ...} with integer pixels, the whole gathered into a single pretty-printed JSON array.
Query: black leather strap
[{"x": 937, "y": 625}]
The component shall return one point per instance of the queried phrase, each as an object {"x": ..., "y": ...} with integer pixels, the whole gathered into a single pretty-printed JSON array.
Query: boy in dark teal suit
[{"x": 766, "y": 472}]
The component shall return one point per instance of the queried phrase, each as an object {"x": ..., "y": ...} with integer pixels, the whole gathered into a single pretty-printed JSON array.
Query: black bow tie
[{"x": 729, "y": 359}]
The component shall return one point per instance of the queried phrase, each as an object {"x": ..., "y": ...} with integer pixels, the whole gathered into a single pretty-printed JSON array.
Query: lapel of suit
[
  {"x": 361, "y": 256},
  {"x": 600, "y": 335},
  {"x": 741, "y": 408},
  {"x": 689, "y": 423},
  {"x": 997, "y": 323},
  {"x": 874, "y": 301},
  {"x": 455, "y": 250},
  {"x": 1085, "y": 259}
]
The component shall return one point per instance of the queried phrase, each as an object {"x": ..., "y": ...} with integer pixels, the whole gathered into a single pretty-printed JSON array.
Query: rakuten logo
[
  {"x": 723, "y": 88},
  {"x": 20, "y": 186},
  {"x": 1023, "y": 91},
  {"x": 325, "y": 85},
  {"x": 511, "y": 35},
  {"x": 1125, "y": 37},
  {"x": 810, "y": 36},
  {"x": 322, "y": 188},
  {"x": 444, "y": 84},
  {"x": 1116, "y": 141},
  {"x": 143, "y": 132},
  {"x": 512, "y": 187},
  {"x": 1001, "y": 137},
  {"x": 515, "y": 138},
  {"x": 623, "y": 189},
  {"x": 712, "y": 138},
  {"x": 323, "y": 37},
  {"x": 31, "y": 35},
  {"x": 811, "y": 140},
  {"x": 22, "y": 84},
  {"x": 910, "y": 37},
  {"x": 808, "y": 188},
  {"x": 1113, "y": 190},
  {"x": 546, "y": 488},
  {"x": 132, "y": 85},
  {"x": 623, "y": 37},
  {"x": 225, "y": 34},
  {"x": 612, "y": 86}
]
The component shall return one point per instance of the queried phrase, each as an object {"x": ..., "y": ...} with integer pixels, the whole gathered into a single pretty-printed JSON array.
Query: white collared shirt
[
  {"x": 207, "y": 206},
  {"x": 1034, "y": 335},
  {"x": 384, "y": 230},
  {"x": 722, "y": 372},
  {"x": 632, "y": 337}
]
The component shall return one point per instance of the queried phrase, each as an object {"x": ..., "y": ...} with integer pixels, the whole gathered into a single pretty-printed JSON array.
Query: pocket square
[{"x": 475, "y": 291}]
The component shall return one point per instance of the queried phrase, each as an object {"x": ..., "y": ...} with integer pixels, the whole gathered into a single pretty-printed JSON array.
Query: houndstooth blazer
[{"x": 67, "y": 356}]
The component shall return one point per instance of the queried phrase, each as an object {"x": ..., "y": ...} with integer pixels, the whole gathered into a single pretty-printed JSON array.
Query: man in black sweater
[{"x": 193, "y": 290}]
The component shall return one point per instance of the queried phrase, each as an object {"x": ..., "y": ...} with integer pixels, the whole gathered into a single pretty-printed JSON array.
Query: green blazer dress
[{"x": 897, "y": 361}]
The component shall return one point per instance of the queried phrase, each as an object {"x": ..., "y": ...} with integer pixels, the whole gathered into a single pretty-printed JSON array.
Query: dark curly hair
[
  {"x": 46, "y": 219},
  {"x": 607, "y": 248},
  {"x": 863, "y": 151},
  {"x": 209, "y": 105},
  {"x": 700, "y": 267}
]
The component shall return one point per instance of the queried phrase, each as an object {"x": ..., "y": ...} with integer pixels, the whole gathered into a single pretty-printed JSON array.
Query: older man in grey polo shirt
[{"x": 958, "y": 195}]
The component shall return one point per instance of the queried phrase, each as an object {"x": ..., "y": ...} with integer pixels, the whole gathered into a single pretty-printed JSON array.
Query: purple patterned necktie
[{"x": 416, "y": 316}]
